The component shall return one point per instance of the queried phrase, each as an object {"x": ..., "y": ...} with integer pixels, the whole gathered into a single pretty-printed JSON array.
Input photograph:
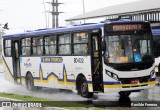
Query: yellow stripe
[
  {"x": 90, "y": 85},
  {"x": 54, "y": 77},
  {"x": 131, "y": 85}
]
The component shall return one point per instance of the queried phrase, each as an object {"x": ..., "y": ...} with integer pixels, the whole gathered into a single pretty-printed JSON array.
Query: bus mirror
[{"x": 103, "y": 45}]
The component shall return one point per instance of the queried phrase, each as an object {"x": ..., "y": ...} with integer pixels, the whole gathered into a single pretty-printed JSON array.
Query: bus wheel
[
  {"x": 159, "y": 69},
  {"x": 84, "y": 89},
  {"x": 29, "y": 82},
  {"x": 124, "y": 93}
]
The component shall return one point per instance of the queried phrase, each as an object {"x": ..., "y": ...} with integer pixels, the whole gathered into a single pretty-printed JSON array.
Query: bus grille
[{"x": 128, "y": 80}]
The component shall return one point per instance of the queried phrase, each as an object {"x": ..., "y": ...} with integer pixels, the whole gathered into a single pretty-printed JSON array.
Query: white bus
[
  {"x": 156, "y": 40},
  {"x": 89, "y": 58}
]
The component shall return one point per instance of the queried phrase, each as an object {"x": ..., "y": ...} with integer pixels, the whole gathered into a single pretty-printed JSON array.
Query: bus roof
[
  {"x": 57, "y": 30},
  {"x": 156, "y": 32},
  {"x": 66, "y": 29}
]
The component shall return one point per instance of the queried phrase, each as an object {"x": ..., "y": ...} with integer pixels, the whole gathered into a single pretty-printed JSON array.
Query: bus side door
[
  {"x": 16, "y": 63},
  {"x": 96, "y": 57}
]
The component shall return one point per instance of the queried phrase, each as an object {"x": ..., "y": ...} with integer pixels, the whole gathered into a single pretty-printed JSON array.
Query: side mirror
[{"x": 103, "y": 45}]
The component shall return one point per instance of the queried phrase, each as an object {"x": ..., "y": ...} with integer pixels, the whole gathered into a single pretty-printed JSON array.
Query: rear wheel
[
  {"x": 124, "y": 93},
  {"x": 83, "y": 89},
  {"x": 30, "y": 82}
]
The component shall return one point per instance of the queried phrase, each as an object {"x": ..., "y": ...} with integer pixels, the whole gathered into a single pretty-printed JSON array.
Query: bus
[
  {"x": 156, "y": 40},
  {"x": 90, "y": 58}
]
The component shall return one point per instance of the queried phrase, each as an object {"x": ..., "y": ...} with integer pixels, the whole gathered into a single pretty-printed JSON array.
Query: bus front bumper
[{"x": 128, "y": 87}]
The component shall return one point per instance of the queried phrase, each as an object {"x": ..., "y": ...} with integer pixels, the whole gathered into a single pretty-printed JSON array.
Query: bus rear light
[{"x": 112, "y": 75}]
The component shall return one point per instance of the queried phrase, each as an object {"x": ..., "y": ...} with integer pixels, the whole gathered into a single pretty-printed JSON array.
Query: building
[{"x": 148, "y": 10}]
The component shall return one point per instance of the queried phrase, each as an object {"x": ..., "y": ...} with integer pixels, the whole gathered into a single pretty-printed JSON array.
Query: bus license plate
[{"x": 135, "y": 81}]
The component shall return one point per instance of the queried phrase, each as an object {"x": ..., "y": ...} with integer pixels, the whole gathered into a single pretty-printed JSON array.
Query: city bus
[
  {"x": 156, "y": 40},
  {"x": 90, "y": 58}
]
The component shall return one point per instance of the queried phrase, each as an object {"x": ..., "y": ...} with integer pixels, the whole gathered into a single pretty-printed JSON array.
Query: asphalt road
[{"x": 151, "y": 95}]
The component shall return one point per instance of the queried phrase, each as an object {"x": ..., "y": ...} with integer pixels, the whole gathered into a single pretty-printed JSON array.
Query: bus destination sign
[{"x": 127, "y": 27}]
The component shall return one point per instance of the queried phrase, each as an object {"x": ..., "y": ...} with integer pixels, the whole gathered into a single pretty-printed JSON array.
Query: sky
[{"x": 23, "y": 15}]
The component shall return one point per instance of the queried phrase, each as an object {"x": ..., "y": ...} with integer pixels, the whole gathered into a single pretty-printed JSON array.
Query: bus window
[
  {"x": 64, "y": 44},
  {"x": 26, "y": 46},
  {"x": 53, "y": 49},
  {"x": 47, "y": 45},
  {"x": 80, "y": 43},
  {"x": 37, "y": 45},
  {"x": 50, "y": 45},
  {"x": 7, "y": 48}
]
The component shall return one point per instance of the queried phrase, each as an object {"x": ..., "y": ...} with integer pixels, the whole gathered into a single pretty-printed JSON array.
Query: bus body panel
[
  {"x": 8, "y": 68},
  {"x": 51, "y": 71},
  {"x": 157, "y": 63},
  {"x": 156, "y": 38},
  {"x": 113, "y": 85}
]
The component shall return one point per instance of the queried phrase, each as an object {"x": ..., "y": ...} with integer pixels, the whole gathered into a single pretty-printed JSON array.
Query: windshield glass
[{"x": 128, "y": 48}]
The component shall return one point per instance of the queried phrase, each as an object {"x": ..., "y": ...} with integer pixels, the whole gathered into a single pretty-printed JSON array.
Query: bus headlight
[
  {"x": 152, "y": 73},
  {"x": 112, "y": 75}
]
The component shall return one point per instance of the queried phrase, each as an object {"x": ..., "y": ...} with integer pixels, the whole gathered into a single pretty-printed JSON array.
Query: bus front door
[
  {"x": 97, "y": 76},
  {"x": 16, "y": 63}
]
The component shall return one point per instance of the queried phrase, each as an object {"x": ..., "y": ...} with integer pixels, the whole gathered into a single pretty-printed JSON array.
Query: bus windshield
[{"x": 128, "y": 48}]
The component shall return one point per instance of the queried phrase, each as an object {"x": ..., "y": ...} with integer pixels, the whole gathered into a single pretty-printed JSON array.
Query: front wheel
[
  {"x": 124, "y": 93},
  {"x": 159, "y": 69},
  {"x": 84, "y": 89}
]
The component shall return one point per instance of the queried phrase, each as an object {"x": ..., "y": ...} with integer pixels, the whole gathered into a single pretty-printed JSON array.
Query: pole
[
  {"x": 53, "y": 16},
  {"x": 57, "y": 14},
  {"x": 83, "y": 8},
  {"x": 45, "y": 13}
]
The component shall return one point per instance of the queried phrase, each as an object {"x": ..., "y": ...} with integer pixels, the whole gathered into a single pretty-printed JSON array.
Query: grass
[{"x": 22, "y": 97}]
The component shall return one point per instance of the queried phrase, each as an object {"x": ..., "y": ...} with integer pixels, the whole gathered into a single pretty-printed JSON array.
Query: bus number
[{"x": 78, "y": 60}]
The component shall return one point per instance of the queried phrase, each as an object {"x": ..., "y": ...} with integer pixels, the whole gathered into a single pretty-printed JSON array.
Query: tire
[
  {"x": 83, "y": 89},
  {"x": 158, "y": 70},
  {"x": 124, "y": 93},
  {"x": 30, "y": 82}
]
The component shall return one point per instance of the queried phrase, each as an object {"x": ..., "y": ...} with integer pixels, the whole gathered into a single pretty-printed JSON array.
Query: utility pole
[
  {"x": 83, "y": 8},
  {"x": 55, "y": 13}
]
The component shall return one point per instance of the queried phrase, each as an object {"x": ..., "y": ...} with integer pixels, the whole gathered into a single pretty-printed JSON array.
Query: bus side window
[
  {"x": 80, "y": 41},
  {"x": 47, "y": 45},
  {"x": 64, "y": 44},
  {"x": 37, "y": 46},
  {"x": 50, "y": 45},
  {"x": 26, "y": 46},
  {"x": 40, "y": 46},
  {"x": 34, "y": 47},
  {"x": 53, "y": 46},
  {"x": 7, "y": 48}
]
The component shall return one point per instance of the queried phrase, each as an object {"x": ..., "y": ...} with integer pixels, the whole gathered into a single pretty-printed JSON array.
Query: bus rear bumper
[{"x": 128, "y": 87}]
